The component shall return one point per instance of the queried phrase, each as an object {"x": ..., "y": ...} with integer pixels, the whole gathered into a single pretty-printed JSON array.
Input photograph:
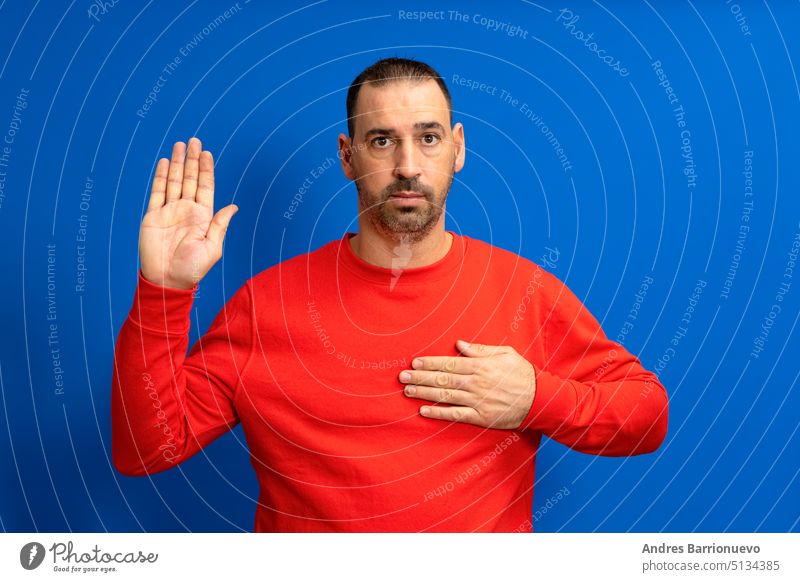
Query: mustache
[{"x": 412, "y": 185}]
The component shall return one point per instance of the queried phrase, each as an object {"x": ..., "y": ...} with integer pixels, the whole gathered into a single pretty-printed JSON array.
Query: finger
[
  {"x": 443, "y": 396},
  {"x": 175, "y": 176},
  {"x": 205, "y": 183},
  {"x": 435, "y": 379},
  {"x": 452, "y": 413},
  {"x": 456, "y": 365},
  {"x": 219, "y": 225},
  {"x": 191, "y": 169},
  {"x": 480, "y": 350},
  {"x": 159, "y": 190}
]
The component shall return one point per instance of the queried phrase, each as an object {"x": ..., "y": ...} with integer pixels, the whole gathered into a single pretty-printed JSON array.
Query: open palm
[{"x": 181, "y": 238}]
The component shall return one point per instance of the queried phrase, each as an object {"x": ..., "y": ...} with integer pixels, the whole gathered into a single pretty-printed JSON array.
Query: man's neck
[{"x": 395, "y": 252}]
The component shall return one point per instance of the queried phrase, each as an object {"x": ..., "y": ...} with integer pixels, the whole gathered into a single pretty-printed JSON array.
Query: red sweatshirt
[{"x": 306, "y": 355}]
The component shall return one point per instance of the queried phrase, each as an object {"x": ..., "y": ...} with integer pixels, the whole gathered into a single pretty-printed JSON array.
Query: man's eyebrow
[
  {"x": 418, "y": 125},
  {"x": 379, "y": 131},
  {"x": 428, "y": 125}
]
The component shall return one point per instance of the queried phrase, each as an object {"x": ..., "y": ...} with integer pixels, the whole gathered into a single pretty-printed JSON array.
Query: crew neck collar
[{"x": 399, "y": 276}]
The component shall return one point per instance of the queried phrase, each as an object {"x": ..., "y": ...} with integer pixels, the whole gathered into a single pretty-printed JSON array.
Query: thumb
[
  {"x": 219, "y": 224},
  {"x": 477, "y": 350},
  {"x": 468, "y": 349}
]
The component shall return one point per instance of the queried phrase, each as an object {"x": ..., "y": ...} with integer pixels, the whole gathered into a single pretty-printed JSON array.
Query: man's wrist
[
  {"x": 160, "y": 308},
  {"x": 169, "y": 283},
  {"x": 553, "y": 405}
]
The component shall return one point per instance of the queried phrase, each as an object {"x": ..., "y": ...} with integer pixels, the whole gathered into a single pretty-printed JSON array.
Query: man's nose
[{"x": 406, "y": 164}]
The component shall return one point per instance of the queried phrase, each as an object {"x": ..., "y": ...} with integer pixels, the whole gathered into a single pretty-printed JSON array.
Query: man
[{"x": 364, "y": 407}]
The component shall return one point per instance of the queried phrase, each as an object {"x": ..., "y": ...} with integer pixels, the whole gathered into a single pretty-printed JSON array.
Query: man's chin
[
  {"x": 413, "y": 230},
  {"x": 409, "y": 222}
]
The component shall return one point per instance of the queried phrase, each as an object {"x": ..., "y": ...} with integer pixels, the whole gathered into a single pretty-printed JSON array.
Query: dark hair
[{"x": 393, "y": 69}]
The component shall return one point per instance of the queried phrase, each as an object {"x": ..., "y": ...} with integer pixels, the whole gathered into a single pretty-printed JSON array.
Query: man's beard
[{"x": 408, "y": 224}]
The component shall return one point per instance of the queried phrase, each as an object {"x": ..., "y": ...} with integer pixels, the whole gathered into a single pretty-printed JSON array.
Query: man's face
[{"x": 402, "y": 156}]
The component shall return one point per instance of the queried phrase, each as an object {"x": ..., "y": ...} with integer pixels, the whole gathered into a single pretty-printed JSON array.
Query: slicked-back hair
[{"x": 389, "y": 70}]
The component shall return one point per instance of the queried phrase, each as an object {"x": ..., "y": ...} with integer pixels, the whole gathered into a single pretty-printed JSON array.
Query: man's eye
[
  {"x": 430, "y": 139},
  {"x": 381, "y": 142}
]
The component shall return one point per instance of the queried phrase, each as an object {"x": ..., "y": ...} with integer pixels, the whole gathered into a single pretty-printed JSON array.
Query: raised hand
[{"x": 181, "y": 238}]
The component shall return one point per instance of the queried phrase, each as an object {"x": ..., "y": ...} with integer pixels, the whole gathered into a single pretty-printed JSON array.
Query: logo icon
[
  {"x": 401, "y": 257},
  {"x": 31, "y": 555}
]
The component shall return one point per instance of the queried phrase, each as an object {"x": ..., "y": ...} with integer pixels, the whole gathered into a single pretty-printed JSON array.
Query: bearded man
[{"x": 397, "y": 379}]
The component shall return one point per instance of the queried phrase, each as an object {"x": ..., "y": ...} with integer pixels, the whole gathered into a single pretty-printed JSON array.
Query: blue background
[{"x": 265, "y": 90}]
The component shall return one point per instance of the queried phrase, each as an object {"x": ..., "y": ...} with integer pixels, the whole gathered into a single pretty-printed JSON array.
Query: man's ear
[
  {"x": 460, "y": 147},
  {"x": 346, "y": 156}
]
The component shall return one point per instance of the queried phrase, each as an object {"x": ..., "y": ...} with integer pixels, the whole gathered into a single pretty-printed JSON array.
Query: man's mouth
[{"x": 407, "y": 194}]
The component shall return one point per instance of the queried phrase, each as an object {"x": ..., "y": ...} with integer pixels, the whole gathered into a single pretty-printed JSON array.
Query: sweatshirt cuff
[
  {"x": 554, "y": 404},
  {"x": 162, "y": 309}
]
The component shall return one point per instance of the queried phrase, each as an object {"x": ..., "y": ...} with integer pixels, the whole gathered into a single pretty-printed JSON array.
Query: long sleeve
[
  {"x": 592, "y": 395},
  {"x": 167, "y": 405}
]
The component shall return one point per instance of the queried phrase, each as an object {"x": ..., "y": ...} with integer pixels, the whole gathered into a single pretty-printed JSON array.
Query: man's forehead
[{"x": 404, "y": 102}]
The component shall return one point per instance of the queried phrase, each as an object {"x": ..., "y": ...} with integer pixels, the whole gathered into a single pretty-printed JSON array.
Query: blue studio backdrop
[{"x": 645, "y": 153}]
